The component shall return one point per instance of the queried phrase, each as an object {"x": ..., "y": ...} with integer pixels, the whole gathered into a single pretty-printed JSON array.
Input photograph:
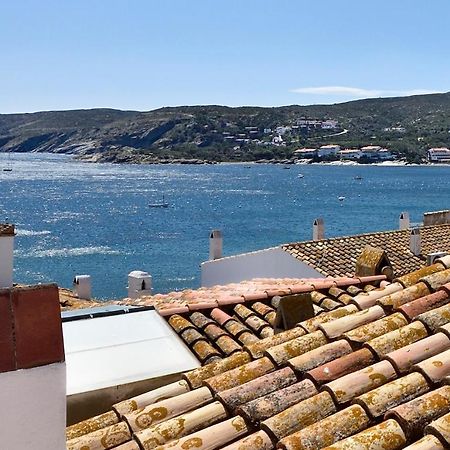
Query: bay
[{"x": 78, "y": 218}]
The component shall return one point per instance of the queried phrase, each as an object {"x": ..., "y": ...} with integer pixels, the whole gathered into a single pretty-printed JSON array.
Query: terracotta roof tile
[
  {"x": 388, "y": 435},
  {"x": 436, "y": 368},
  {"x": 300, "y": 388},
  {"x": 356, "y": 383},
  {"x": 327, "y": 431},
  {"x": 341, "y": 366},
  {"x": 405, "y": 357},
  {"x": 299, "y": 415},
  {"x": 428, "y": 442},
  {"x": 441, "y": 429},
  {"x": 378, "y": 401},
  {"x": 337, "y": 256},
  {"x": 416, "y": 307},
  {"x": 393, "y": 340},
  {"x": 271, "y": 404},
  {"x": 319, "y": 356},
  {"x": 414, "y": 415}
]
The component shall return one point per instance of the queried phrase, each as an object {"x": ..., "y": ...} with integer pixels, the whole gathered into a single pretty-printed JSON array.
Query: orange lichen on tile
[
  {"x": 424, "y": 304},
  {"x": 283, "y": 352},
  {"x": 394, "y": 301},
  {"x": 414, "y": 277},
  {"x": 375, "y": 329},
  {"x": 299, "y": 415},
  {"x": 396, "y": 339},
  {"x": 195, "y": 377},
  {"x": 166, "y": 409},
  {"x": 366, "y": 300},
  {"x": 154, "y": 396},
  {"x": 436, "y": 368},
  {"x": 180, "y": 426},
  {"x": 327, "y": 431},
  {"x": 338, "y": 327},
  {"x": 349, "y": 386},
  {"x": 234, "y": 397},
  {"x": 212, "y": 437},
  {"x": 428, "y": 442},
  {"x": 239, "y": 375},
  {"x": 378, "y": 401},
  {"x": 436, "y": 317},
  {"x": 388, "y": 435},
  {"x": 319, "y": 356},
  {"x": 93, "y": 424},
  {"x": 106, "y": 438},
  {"x": 256, "y": 441},
  {"x": 404, "y": 358},
  {"x": 415, "y": 414},
  {"x": 341, "y": 366},
  {"x": 271, "y": 404},
  {"x": 441, "y": 429},
  {"x": 312, "y": 324}
]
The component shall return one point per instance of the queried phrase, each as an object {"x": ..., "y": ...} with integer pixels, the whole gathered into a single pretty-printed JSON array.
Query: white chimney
[
  {"x": 404, "y": 220},
  {"x": 6, "y": 254},
  {"x": 139, "y": 284},
  {"x": 82, "y": 286},
  {"x": 215, "y": 245},
  {"x": 318, "y": 229},
  {"x": 414, "y": 241}
]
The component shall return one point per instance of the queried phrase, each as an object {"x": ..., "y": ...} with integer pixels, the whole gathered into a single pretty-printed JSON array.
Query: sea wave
[
  {"x": 21, "y": 232},
  {"x": 69, "y": 252}
]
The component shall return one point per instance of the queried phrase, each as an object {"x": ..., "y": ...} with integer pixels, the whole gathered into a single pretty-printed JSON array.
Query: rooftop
[
  {"x": 370, "y": 369},
  {"x": 336, "y": 257}
]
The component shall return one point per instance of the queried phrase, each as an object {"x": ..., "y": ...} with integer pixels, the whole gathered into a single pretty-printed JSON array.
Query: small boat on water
[
  {"x": 7, "y": 169},
  {"x": 162, "y": 204},
  {"x": 341, "y": 199},
  {"x": 358, "y": 177},
  {"x": 300, "y": 175}
]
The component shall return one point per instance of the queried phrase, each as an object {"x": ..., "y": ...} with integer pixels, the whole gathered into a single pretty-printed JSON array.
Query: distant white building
[
  {"x": 327, "y": 150},
  {"x": 305, "y": 152},
  {"x": 439, "y": 154},
  {"x": 350, "y": 154},
  {"x": 376, "y": 152},
  {"x": 329, "y": 124}
]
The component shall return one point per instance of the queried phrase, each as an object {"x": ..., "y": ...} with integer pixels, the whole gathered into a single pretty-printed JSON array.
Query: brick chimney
[
  {"x": 7, "y": 234},
  {"x": 32, "y": 369}
]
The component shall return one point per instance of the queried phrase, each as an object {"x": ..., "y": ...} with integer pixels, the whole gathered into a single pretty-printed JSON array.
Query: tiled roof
[
  {"x": 337, "y": 256},
  {"x": 373, "y": 374}
]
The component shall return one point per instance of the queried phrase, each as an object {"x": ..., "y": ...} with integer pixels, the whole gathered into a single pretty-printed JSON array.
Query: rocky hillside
[{"x": 407, "y": 125}]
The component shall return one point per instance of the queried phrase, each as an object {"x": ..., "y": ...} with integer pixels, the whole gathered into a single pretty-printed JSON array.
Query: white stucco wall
[
  {"x": 33, "y": 408},
  {"x": 269, "y": 263},
  {"x": 6, "y": 261}
]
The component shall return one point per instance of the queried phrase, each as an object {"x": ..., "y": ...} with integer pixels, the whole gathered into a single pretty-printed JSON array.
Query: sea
[{"x": 75, "y": 218}]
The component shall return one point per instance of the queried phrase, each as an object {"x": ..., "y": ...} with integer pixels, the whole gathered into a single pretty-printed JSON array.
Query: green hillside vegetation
[{"x": 406, "y": 125}]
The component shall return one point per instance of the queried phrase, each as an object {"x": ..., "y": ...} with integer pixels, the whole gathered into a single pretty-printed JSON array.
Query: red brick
[
  {"x": 7, "y": 356},
  {"x": 37, "y": 325}
]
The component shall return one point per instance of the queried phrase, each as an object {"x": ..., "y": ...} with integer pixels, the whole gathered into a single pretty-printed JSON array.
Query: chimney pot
[
  {"x": 7, "y": 233},
  {"x": 82, "y": 286},
  {"x": 318, "y": 229},
  {"x": 414, "y": 241},
  {"x": 215, "y": 245},
  {"x": 139, "y": 284},
  {"x": 404, "y": 220}
]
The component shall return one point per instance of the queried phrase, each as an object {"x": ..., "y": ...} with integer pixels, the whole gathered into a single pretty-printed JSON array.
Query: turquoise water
[{"x": 77, "y": 218}]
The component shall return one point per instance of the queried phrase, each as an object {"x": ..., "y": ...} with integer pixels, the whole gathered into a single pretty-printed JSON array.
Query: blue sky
[{"x": 144, "y": 54}]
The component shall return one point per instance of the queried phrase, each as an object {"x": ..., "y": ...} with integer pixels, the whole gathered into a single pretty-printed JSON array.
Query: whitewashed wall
[
  {"x": 269, "y": 263},
  {"x": 33, "y": 408}
]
